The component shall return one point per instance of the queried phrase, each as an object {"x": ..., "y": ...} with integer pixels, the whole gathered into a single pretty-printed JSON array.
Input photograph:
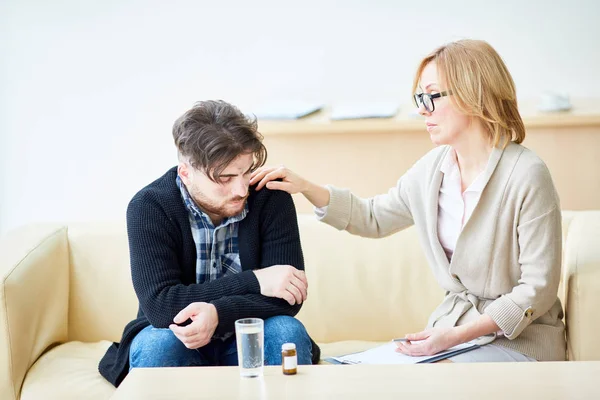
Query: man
[{"x": 206, "y": 249}]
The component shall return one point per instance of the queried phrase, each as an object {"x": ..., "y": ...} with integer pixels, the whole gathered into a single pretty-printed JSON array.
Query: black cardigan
[{"x": 163, "y": 264}]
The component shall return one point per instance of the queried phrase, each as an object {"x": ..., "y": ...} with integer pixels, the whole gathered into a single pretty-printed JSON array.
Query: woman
[{"x": 485, "y": 209}]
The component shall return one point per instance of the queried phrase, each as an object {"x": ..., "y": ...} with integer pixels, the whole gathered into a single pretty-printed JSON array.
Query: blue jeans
[{"x": 154, "y": 347}]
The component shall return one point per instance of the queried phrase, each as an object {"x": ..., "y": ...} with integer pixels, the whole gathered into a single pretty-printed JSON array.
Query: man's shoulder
[
  {"x": 162, "y": 192},
  {"x": 267, "y": 198}
]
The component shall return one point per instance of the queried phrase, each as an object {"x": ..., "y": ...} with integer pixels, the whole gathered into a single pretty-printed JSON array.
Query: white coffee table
[{"x": 550, "y": 380}]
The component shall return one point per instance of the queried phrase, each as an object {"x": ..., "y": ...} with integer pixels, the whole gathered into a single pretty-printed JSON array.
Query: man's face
[{"x": 219, "y": 199}]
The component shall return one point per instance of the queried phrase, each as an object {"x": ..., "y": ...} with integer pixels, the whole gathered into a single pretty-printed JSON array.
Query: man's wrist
[
  {"x": 257, "y": 274},
  {"x": 215, "y": 313}
]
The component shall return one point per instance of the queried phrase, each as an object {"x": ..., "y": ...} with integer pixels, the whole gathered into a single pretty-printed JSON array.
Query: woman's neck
[{"x": 472, "y": 155}]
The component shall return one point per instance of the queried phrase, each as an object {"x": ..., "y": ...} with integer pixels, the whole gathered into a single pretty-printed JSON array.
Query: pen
[{"x": 400, "y": 340}]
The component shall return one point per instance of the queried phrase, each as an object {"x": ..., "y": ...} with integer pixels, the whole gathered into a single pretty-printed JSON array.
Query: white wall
[{"x": 89, "y": 90}]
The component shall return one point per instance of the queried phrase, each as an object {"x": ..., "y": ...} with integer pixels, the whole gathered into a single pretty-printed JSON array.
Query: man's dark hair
[{"x": 213, "y": 133}]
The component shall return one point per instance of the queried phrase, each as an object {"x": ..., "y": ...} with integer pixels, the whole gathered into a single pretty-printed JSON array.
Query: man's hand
[
  {"x": 431, "y": 341},
  {"x": 204, "y": 322},
  {"x": 284, "y": 282}
]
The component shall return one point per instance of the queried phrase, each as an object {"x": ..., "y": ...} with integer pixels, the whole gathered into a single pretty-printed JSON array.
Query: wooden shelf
[{"x": 583, "y": 114}]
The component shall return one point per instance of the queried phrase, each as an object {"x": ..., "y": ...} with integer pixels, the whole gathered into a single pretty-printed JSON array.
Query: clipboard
[
  {"x": 386, "y": 354},
  {"x": 440, "y": 357}
]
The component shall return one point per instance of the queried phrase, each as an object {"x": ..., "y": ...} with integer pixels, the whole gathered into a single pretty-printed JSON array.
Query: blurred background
[{"x": 89, "y": 90}]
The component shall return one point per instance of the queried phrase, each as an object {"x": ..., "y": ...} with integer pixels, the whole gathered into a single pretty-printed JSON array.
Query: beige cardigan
[{"x": 507, "y": 259}]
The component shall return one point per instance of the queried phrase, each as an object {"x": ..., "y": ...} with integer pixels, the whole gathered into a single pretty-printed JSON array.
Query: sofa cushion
[
  {"x": 364, "y": 289},
  {"x": 68, "y": 371},
  {"x": 101, "y": 298}
]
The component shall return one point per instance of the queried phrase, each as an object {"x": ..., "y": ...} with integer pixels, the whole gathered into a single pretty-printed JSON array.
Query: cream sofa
[{"x": 66, "y": 292}]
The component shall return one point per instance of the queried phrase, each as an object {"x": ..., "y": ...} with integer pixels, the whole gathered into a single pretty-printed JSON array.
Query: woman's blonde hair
[{"x": 481, "y": 86}]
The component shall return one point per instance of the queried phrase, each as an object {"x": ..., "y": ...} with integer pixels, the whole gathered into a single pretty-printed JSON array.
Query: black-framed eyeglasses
[{"x": 426, "y": 99}]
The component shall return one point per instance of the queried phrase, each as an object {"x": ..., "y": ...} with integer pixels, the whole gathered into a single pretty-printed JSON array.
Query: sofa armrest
[
  {"x": 34, "y": 295},
  {"x": 582, "y": 281}
]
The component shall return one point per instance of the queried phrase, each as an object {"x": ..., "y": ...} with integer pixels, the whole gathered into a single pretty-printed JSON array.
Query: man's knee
[
  {"x": 154, "y": 347},
  {"x": 284, "y": 329}
]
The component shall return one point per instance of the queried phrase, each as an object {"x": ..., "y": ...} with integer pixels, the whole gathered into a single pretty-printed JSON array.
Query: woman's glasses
[{"x": 426, "y": 100}]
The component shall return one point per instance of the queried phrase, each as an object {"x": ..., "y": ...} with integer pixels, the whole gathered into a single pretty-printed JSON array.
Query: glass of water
[{"x": 249, "y": 335}]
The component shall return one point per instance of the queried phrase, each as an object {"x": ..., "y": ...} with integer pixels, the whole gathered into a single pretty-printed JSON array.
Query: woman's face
[{"x": 445, "y": 124}]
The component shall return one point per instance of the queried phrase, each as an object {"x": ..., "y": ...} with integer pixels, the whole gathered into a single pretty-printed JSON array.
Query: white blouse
[{"x": 454, "y": 206}]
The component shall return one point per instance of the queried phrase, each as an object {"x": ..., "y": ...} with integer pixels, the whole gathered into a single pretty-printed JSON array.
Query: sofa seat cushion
[{"x": 68, "y": 371}]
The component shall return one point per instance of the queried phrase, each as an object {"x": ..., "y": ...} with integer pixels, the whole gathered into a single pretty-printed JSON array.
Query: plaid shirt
[{"x": 217, "y": 250}]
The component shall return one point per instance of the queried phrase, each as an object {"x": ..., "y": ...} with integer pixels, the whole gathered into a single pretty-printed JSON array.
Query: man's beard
[{"x": 222, "y": 210}]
